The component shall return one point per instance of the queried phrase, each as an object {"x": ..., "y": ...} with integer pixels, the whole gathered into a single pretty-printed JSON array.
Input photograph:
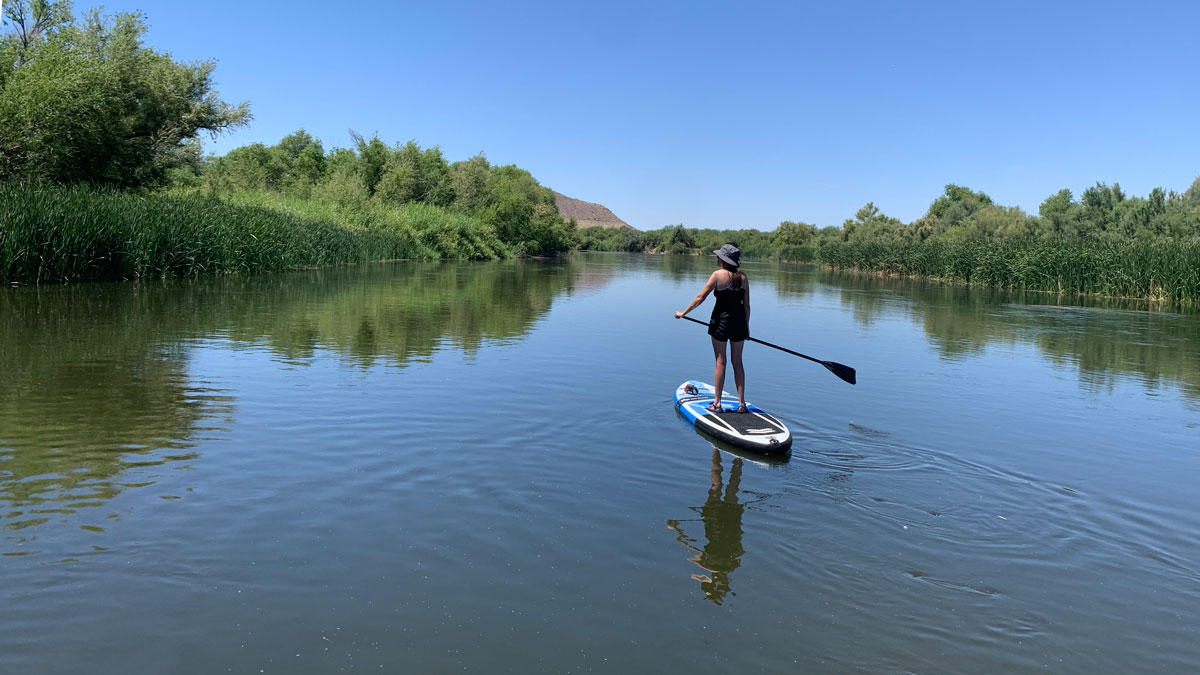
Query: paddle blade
[{"x": 843, "y": 371}]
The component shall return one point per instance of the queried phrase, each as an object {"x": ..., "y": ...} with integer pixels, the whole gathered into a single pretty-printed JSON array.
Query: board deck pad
[{"x": 754, "y": 430}]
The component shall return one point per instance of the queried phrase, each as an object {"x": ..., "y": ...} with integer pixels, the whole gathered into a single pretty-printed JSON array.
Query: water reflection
[
  {"x": 92, "y": 382},
  {"x": 722, "y": 518},
  {"x": 95, "y": 379},
  {"x": 395, "y": 313},
  {"x": 1106, "y": 339}
]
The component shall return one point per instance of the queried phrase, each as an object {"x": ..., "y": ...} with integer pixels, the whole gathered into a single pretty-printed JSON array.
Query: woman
[{"x": 730, "y": 320}]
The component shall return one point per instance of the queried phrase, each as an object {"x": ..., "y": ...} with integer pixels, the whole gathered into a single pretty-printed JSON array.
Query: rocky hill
[{"x": 587, "y": 214}]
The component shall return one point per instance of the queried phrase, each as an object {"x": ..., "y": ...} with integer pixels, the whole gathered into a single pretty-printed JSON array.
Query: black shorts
[{"x": 725, "y": 326}]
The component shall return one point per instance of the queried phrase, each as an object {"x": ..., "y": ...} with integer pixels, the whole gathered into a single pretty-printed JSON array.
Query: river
[{"x": 437, "y": 467}]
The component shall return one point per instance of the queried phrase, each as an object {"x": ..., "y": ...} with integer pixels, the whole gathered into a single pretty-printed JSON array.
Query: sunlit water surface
[{"x": 477, "y": 466}]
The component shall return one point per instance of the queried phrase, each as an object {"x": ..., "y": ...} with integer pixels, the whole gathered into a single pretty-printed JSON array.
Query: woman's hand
[{"x": 678, "y": 315}]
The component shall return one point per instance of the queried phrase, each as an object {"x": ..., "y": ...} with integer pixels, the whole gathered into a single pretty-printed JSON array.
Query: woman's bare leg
[
  {"x": 719, "y": 370},
  {"x": 739, "y": 373}
]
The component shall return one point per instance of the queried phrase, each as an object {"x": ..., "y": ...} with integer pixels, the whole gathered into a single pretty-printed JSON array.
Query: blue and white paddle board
[{"x": 752, "y": 430}]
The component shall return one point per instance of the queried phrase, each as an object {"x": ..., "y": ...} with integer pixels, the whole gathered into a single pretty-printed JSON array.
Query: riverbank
[
  {"x": 1105, "y": 265},
  {"x": 1160, "y": 270},
  {"x": 79, "y": 233}
]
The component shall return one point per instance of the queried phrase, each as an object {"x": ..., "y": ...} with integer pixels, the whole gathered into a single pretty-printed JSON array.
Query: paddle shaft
[
  {"x": 761, "y": 342},
  {"x": 846, "y": 373}
]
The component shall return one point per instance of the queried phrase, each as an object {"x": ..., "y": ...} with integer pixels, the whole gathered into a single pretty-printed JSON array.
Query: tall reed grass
[
  {"x": 1155, "y": 270},
  {"x": 58, "y": 234}
]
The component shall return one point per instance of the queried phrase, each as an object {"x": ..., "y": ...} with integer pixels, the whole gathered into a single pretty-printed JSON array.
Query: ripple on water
[
  {"x": 940, "y": 531},
  {"x": 454, "y": 501}
]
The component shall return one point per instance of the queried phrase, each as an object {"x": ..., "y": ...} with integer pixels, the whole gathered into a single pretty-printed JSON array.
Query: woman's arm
[{"x": 708, "y": 287}]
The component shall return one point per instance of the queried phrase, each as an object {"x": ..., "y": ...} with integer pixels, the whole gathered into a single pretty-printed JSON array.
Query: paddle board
[{"x": 753, "y": 430}]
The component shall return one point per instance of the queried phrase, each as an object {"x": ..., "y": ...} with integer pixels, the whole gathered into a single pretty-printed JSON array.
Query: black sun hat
[{"x": 730, "y": 254}]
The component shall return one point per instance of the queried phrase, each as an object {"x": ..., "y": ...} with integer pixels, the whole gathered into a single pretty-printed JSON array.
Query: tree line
[
  {"x": 91, "y": 115},
  {"x": 959, "y": 214},
  {"x": 84, "y": 102},
  {"x": 506, "y": 200},
  {"x": 1105, "y": 243}
]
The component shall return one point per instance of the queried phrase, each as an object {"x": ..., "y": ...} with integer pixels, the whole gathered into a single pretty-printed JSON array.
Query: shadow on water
[{"x": 95, "y": 383}]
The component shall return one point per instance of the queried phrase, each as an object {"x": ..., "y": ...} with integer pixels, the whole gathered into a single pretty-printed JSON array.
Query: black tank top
[
  {"x": 729, "y": 315},
  {"x": 729, "y": 301}
]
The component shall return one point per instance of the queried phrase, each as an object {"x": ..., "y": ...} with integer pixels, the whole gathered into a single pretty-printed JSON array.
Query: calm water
[{"x": 448, "y": 467}]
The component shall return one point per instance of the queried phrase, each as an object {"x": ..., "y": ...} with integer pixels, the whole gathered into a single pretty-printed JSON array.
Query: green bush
[
  {"x": 79, "y": 233},
  {"x": 1110, "y": 266}
]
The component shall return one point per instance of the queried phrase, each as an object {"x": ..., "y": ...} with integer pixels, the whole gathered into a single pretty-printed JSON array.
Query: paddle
[{"x": 843, "y": 371}]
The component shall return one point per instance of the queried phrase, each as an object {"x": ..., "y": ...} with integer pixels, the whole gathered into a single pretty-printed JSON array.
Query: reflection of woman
[
  {"x": 722, "y": 528},
  {"x": 730, "y": 320}
]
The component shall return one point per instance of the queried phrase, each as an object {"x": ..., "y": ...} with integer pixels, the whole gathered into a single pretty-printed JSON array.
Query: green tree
[
  {"x": 303, "y": 156},
  {"x": 85, "y": 101},
  {"x": 1060, "y": 216},
  {"x": 955, "y": 205},
  {"x": 790, "y": 234},
  {"x": 992, "y": 223},
  {"x": 471, "y": 182},
  {"x": 249, "y": 167},
  {"x": 437, "y": 187},
  {"x": 957, "y": 197},
  {"x": 869, "y": 224},
  {"x": 32, "y": 22},
  {"x": 298, "y": 160},
  {"x": 679, "y": 239},
  {"x": 1191, "y": 196},
  {"x": 1181, "y": 214},
  {"x": 523, "y": 213},
  {"x": 1098, "y": 208},
  {"x": 414, "y": 175},
  {"x": 373, "y": 157},
  {"x": 401, "y": 180}
]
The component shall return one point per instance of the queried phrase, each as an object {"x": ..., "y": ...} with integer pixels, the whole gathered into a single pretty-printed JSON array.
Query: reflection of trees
[
  {"x": 1106, "y": 339},
  {"x": 789, "y": 280},
  {"x": 399, "y": 312},
  {"x": 93, "y": 381},
  {"x": 1158, "y": 348},
  {"x": 722, "y": 518},
  {"x": 94, "y": 378}
]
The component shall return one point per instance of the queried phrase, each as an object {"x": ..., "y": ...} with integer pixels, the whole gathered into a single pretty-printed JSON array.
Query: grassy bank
[
  {"x": 1126, "y": 268},
  {"x": 437, "y": 232},
  {"x": 59, "y": 234},
  {"x": 1105, "y": 264}
]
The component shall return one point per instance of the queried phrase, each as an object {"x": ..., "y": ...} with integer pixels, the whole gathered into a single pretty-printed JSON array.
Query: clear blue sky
[{"x": 728, "y": 114}]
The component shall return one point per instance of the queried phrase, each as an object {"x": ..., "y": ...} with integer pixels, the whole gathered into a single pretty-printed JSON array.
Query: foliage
[
  {"x": 1111, "y": 266},
  {"x": 1106, "y": 243},
  {"x": 84, "y": 101},
  {"x": 80, "y": 233},
  {"x": 869, "y": 224},
  {"x": 373, "y": 177},
  {"x": 523, "y": 213}
]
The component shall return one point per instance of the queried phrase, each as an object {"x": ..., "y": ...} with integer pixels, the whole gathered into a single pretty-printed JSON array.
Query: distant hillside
[{"x": 587, "y": 214}]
